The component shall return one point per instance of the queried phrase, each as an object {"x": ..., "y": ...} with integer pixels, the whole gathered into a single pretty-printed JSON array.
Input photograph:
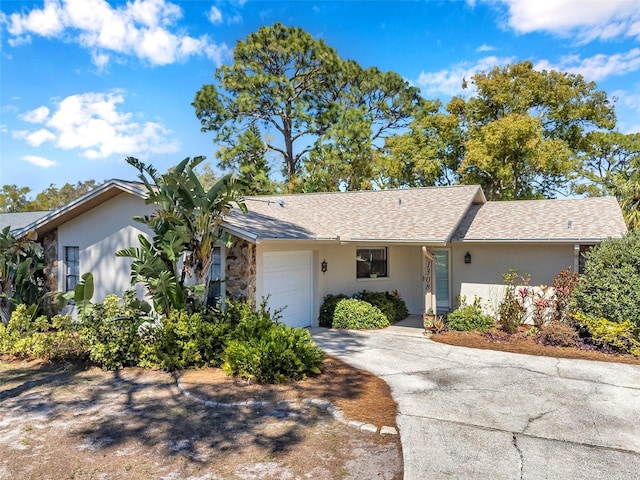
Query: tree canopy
[
  {"x": 306, "y": 98},
  {"x": 519, "y": 136},
  {"x": 14, "y": 198}
]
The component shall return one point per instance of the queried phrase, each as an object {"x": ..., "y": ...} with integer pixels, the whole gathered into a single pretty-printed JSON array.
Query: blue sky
[{"x": 86, "y": 83}]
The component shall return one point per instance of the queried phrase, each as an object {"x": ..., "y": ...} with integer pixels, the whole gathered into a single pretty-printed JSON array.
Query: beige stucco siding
[
  {"x": 404, "y": 268},
  {"x": 490, "y": 261},
  {"x": 100, "y": 233}
]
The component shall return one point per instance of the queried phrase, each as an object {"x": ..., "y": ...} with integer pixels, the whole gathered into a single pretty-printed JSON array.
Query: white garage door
[{"x": 287, "y": 279}]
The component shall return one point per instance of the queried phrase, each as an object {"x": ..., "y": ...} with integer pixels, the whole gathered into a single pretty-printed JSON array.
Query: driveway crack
[{"x": 520, "y": 455}]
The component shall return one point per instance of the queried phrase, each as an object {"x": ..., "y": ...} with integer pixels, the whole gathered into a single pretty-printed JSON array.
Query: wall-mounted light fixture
[
  {"x": 323, "y": 266},
  {"x": 467, "y": 258}
]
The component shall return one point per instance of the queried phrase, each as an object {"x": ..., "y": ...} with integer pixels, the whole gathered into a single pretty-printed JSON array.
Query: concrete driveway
[{"x": 480, "y": 414}]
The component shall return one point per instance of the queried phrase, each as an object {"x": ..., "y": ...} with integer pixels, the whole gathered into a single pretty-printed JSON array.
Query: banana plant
[
  {"x": 81, "y": 295},
  {"x": 21, "y": 265}
]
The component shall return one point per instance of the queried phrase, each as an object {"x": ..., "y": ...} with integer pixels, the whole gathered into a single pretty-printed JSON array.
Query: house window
[
  {"x": 72, "y": 267},
  {"x": 371, "y": 262},
  {"x": 216, "y": 277}
]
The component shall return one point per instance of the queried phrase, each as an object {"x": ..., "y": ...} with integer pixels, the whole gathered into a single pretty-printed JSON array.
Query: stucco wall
[
  {"x": 404, "y": 269},
  {"x": 100, "y": 233},
  {"x": 483, "y": 276}
]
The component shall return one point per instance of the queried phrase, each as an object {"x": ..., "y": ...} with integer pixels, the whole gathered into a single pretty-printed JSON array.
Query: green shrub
[
  {"x": 619, "y": 336},
  {"x": 266, "y": 351},
  {"x": 557, "y": 334},
  {"x": 110, "y": 332},
  {"x": 511, "y": 311},
  {"x": 358, "y": 314},
  {"x": 469, "y": 317},
  {"x": 36, "y": 337},
  {"x": 609, "y": 286},
  {"x": 391, "y": 304},
  {"x": 328, "y": 308},
  {"x": 185, "y": 340}
]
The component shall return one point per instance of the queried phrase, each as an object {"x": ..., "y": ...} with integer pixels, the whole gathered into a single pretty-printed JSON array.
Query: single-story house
[{"x": 428, "y": 244}]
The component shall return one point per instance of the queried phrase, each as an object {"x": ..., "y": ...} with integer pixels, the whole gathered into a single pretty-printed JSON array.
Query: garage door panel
[{"x": 287, "y": 278}]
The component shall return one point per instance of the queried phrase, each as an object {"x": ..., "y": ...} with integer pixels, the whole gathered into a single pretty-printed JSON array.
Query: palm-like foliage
[
  {"x": 21, "y": 264},
  {"x": 187, "y": 220}
]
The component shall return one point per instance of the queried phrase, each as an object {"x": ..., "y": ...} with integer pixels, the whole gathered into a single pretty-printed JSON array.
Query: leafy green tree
[
  {"x": 21, "y": 264},
  {"x": 428, "y": 154},
  {"x": 298, "y": 89},
  {"x": 549, "y": 111},
  {"x": 519, "y": 136},
  {"x": 511, "y": 159},
  {"x": 53, "y": 198},
  {"x": 247, "y": 160},
  {"x": 13, "y": 198},
  {"x": 187, "y": 220},
  {"x": 607, "y": 160},
  {"x": 610, "y": 167}
]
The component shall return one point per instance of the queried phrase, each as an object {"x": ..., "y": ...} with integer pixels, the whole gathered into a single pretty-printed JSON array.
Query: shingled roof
[
  {"x": 19, "y": 220},
  {"x": 569, "y": 220},
  {"x": 418, "y": 215}
]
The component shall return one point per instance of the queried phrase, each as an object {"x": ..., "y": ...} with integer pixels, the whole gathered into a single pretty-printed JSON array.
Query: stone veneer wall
[
  {"x": 49, "y": 244},
  {"x": 240, "y": 271}
]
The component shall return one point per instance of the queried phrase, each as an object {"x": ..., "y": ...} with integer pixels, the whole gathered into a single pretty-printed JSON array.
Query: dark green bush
[
  {"x": 609, "y": 286},
  {"x": 391, "y": 304},
  {"x": 557, "y": 334},
  {"x": 468, "y": 318},
  {"x": 358, "y": 314},
  {"x": 270, "y": 352},
  {"x": 327, "y": 309}
]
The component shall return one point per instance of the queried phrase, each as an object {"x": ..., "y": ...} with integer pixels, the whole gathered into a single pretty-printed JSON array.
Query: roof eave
[
  {"x": 537, "y": 240},
  {"x": 40, "y": 224}
]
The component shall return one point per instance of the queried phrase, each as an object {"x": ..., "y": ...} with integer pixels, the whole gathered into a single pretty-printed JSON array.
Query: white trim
[{"x": 576, "y": 257}]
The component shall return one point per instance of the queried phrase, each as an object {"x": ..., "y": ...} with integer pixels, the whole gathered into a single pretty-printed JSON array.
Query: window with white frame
[
  {"x": 72, "y": 267},
  {"x": 371, "y": 262}
]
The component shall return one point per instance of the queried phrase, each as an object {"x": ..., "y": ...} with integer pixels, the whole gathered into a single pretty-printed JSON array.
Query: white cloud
[
  {"x": 597, "y": 67},
  {"x": 485, "y": 48},
  {"x": 92, "y": 123},
  {"x": 449, "y": 82},
  {"x": 39, "y": 161},
  {"x": 585, "y": 20},
  {"x": 215, "y": 15},
  {"x": 36, "y": 116},
  {"x": 35, "y": 139},
  {"x": 141, "y": 28}
]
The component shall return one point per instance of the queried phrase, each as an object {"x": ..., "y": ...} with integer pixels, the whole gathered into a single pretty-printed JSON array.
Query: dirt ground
[
  {"x": 521, "y": 343},
  {"x": 65, "y": 421}
]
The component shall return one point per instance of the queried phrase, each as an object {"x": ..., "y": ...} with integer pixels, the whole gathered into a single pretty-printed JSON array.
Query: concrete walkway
[{"x": 479, "y": 414}]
